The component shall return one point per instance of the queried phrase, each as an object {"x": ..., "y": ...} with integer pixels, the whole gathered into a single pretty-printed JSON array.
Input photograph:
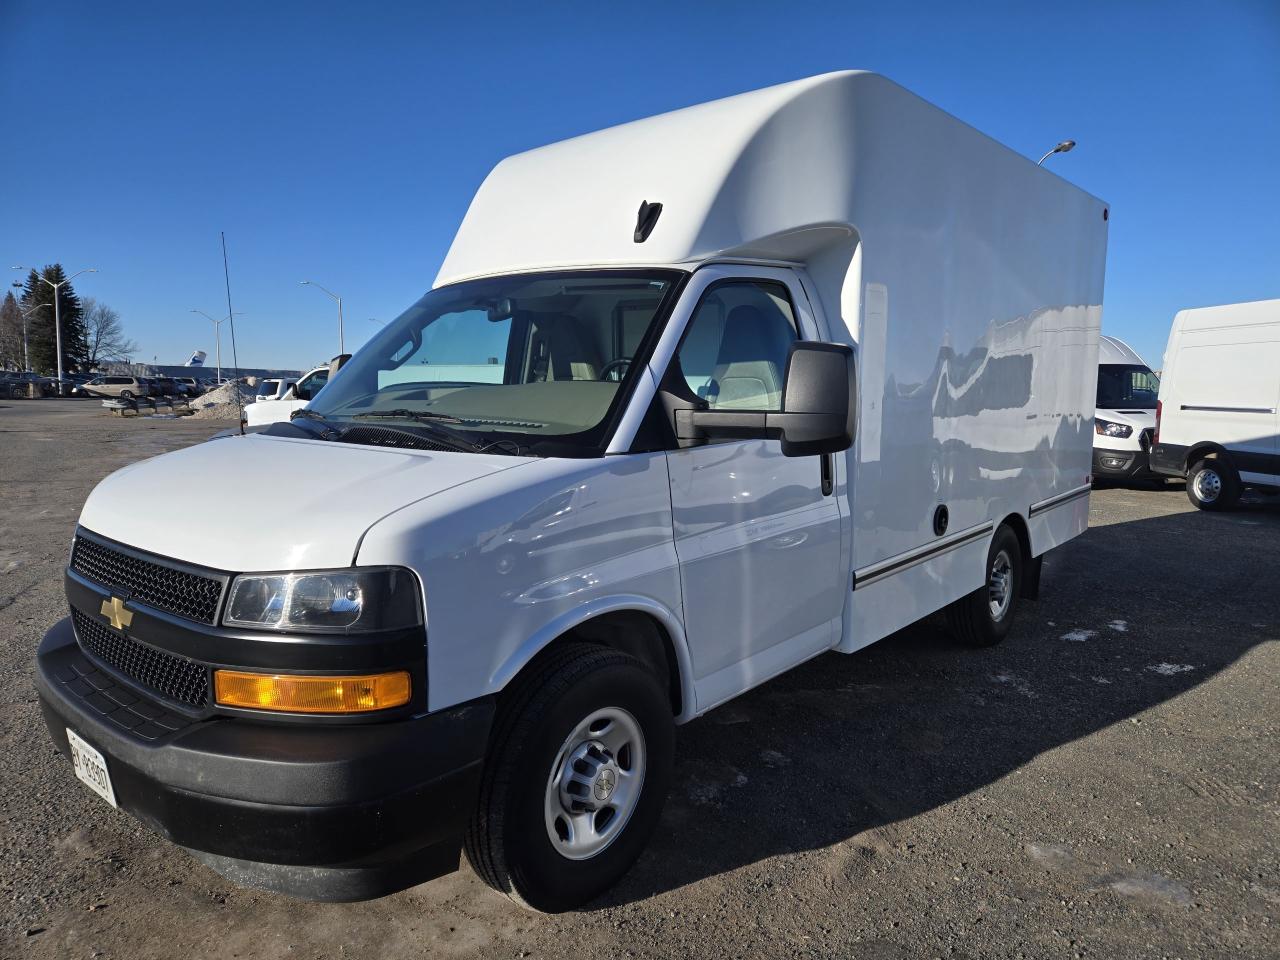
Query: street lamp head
[
  {"x": 303, "y": 283},
  {"x": 1064, "y": 146}
]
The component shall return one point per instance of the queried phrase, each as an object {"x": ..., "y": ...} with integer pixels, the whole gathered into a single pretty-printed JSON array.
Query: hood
[
  {"x": 270, "y": 503},
  {"x": 1138, "y": 419}
]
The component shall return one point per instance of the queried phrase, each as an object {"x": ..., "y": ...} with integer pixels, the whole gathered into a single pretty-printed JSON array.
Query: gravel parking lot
[{"x": 1102, "y": 785}]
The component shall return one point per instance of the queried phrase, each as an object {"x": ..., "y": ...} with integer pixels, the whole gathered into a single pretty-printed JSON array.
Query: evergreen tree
[
  {"x": 10, "y": 333},
  {"x": 40, "y": 323}
]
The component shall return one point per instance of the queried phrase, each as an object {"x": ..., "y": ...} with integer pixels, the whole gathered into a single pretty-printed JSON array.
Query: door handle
[{"x": 828, "y": 474}]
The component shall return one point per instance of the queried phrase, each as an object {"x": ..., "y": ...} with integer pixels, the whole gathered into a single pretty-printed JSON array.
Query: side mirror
[
  {"x": 337, "y": 363},
  {"x": 297, "y": 392},
  {"x": 817, "y": 414}
]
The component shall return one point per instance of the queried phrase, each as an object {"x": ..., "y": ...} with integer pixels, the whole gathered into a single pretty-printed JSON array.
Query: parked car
[
  {"x": 117, "y": 386},
  {"x": 1218, "y": 416},
  {"x": 26, "y": 384},
  {"x": 272, "y": 388},
  {"x": 599, "y": 480},
  {"x": 1124, "y": 416},
  {"x": 191, "y": 385}
]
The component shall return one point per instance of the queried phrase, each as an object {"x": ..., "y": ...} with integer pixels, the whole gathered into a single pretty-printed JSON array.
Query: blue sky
[{"x": 342, "y": 142}]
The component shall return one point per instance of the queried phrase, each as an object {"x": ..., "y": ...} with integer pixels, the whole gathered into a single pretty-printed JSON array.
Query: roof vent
[{"x": 646, "y": 219}]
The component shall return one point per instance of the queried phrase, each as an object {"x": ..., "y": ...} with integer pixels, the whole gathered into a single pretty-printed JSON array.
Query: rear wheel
[
  {"x": 579, "y": 768},
  {"x": 1212, "y": 484},
  {"x": 985, "y": 617},
  {"x": 126, "y": 394}
]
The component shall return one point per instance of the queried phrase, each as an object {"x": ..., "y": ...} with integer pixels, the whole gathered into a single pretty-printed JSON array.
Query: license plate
[{"x": 91, "y": 767}]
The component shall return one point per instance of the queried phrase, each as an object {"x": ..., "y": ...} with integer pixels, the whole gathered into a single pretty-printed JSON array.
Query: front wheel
[
  {"x": 984, "y": 617},
  {"x": 578, "y": 772},
  {"x": 1213, "y": 485}
]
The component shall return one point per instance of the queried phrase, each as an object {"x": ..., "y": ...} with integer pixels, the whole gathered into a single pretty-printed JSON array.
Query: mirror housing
[
  {"x": 817, "y": 414},
  {"x": 337, "y": 363}
]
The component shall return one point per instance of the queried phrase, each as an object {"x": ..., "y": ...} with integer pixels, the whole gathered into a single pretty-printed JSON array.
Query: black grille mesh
[
  {"x": 385, "y": 437},
  {"x": 178, "y": 592},
  {"x": 174, "y": 677}
]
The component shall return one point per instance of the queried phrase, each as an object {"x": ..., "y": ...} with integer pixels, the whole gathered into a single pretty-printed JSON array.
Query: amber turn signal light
[{"x": 296, "y": 694}]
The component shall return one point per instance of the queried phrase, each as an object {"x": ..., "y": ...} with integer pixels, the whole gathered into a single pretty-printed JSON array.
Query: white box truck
[
  {"x": 1124, "y": 413},
  {"x": 1217, "y": 423},
  {"x": 599, "y": 480}
]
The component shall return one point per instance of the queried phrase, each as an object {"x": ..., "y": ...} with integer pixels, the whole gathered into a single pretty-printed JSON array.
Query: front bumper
[
  {"x": 322, "y": 812},
  {"x": 1120, "y": 464}
]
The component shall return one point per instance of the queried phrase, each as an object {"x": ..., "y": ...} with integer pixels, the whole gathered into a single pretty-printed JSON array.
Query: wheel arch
[
  {"x": 637, "y": 625},
  {"x": 1205, "y": 450},
  {"x": 1031, "y": 563}
]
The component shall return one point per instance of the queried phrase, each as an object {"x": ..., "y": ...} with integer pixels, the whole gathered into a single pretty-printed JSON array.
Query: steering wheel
[{"x": 621, "y": 365}]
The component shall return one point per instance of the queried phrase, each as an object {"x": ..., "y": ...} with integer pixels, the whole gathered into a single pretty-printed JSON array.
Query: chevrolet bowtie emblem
[{"x": 116, "y": 614}]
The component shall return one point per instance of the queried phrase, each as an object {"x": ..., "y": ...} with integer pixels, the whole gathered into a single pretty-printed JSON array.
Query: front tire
[
  {"x": 985, "y": 617},
  {"x": 578, "y": 771},
  {"x": 1212, "y": 484}
]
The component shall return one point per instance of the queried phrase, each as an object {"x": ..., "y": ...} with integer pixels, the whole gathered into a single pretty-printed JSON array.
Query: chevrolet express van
[
  {"x": 692, "y": 401},
  {"x": 1218, "y": 419},
  {"x": 1124, "y": 414}
]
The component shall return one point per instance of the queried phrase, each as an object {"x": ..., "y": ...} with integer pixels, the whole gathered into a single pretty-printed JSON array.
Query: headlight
[
  {"x": 1105, "y": 428},
  {"x": 326, "y": 601}
]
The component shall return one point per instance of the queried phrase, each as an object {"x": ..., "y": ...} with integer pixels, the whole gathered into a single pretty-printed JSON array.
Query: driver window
[
  {"x": 308, "y": 387},
  {"x": 734, "y": 352}
]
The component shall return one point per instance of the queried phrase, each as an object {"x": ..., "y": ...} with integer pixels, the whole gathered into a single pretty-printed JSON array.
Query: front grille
[
  {"x": 175, "y": 591},
  {"x": 179, "y": 679},
  {"x": 1144, "y": 438},
  {"x": 387, "y": 437}
]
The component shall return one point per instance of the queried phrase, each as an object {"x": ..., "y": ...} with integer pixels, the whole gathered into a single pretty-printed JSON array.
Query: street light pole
[
  {"x": 26, "y": 352},
  {"x": 1065, "y": 146},
  {"x": 217, "y": 334},
  {"x": 338, "y": 299},
  {"x": 57, "y": 312}
]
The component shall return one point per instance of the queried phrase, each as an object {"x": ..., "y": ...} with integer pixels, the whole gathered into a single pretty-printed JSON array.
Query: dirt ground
[{"x": 1104, "y": 784}]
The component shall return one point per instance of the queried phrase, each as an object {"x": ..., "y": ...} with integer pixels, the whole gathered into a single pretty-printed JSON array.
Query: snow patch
[
  {"x": 1079, "y": 636},
  {"x": 1170, "y": 669},
  {"x": 1119, "y": 626},
  {"x": 1017, "y": 683},
  {"x": 1099, "y": 679}
]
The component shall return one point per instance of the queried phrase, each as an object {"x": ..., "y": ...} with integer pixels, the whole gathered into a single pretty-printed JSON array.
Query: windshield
[
  {"x": 1127, "y": 386},
  {"x": 526, "y": 359}
]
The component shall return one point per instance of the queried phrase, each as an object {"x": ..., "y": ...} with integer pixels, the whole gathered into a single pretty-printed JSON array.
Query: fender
[{"x": 561, "y": 625}]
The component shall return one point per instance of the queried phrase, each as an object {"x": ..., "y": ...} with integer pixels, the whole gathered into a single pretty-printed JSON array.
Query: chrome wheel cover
[
  {"x": 1000, "y": 586},
  {"x": 1207, "y": 485},
  {"x": 595, "y": 783}
]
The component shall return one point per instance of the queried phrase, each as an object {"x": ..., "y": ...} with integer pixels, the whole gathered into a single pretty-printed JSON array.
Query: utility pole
[
  {"x": 57, "y": 312},
  {"x": 334, "y": 296}
]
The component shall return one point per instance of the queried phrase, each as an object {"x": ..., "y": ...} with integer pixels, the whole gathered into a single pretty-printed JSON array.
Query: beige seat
[
  {"x": 750, "y": 366},
  {"x": 562, "y": 352}
]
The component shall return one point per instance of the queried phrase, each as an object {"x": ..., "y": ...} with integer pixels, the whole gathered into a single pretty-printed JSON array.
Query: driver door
[{"x": 757, "y": 534}]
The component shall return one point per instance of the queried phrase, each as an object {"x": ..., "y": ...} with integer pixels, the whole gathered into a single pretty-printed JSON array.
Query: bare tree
[{"x": 105, "y": 333}]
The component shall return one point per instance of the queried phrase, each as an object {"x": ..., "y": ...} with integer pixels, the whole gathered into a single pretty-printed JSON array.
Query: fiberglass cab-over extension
[{"x": 602, "y": 478}]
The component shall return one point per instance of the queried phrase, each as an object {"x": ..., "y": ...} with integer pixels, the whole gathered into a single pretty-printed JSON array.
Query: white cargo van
[
  {"x": 1124, "y": 414},
  {"x": 599, "y": 480},
  {"x": 1217, "y": 422}
]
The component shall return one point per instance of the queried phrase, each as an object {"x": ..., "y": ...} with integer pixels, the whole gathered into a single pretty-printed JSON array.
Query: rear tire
[
  {"x": 1212, "y": 484},
  {"x": 985, "y": 617},
  {"x": 578, "y": 770},
  {"x": 126, "y": 394}
]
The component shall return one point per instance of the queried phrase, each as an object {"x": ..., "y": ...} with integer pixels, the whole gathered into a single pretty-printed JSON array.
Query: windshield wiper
[
  {"x": 404, "y": 413},
  {"x": 433, "y": 423}
]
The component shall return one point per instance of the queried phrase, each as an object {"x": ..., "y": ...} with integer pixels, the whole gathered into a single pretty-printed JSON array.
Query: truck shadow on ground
[{"x": 1131, "y": 615}]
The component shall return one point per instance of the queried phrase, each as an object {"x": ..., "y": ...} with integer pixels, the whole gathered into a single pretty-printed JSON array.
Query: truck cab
[
  {"x": 268, "y": 410},
  {"x": 1124, "y": 414}
]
